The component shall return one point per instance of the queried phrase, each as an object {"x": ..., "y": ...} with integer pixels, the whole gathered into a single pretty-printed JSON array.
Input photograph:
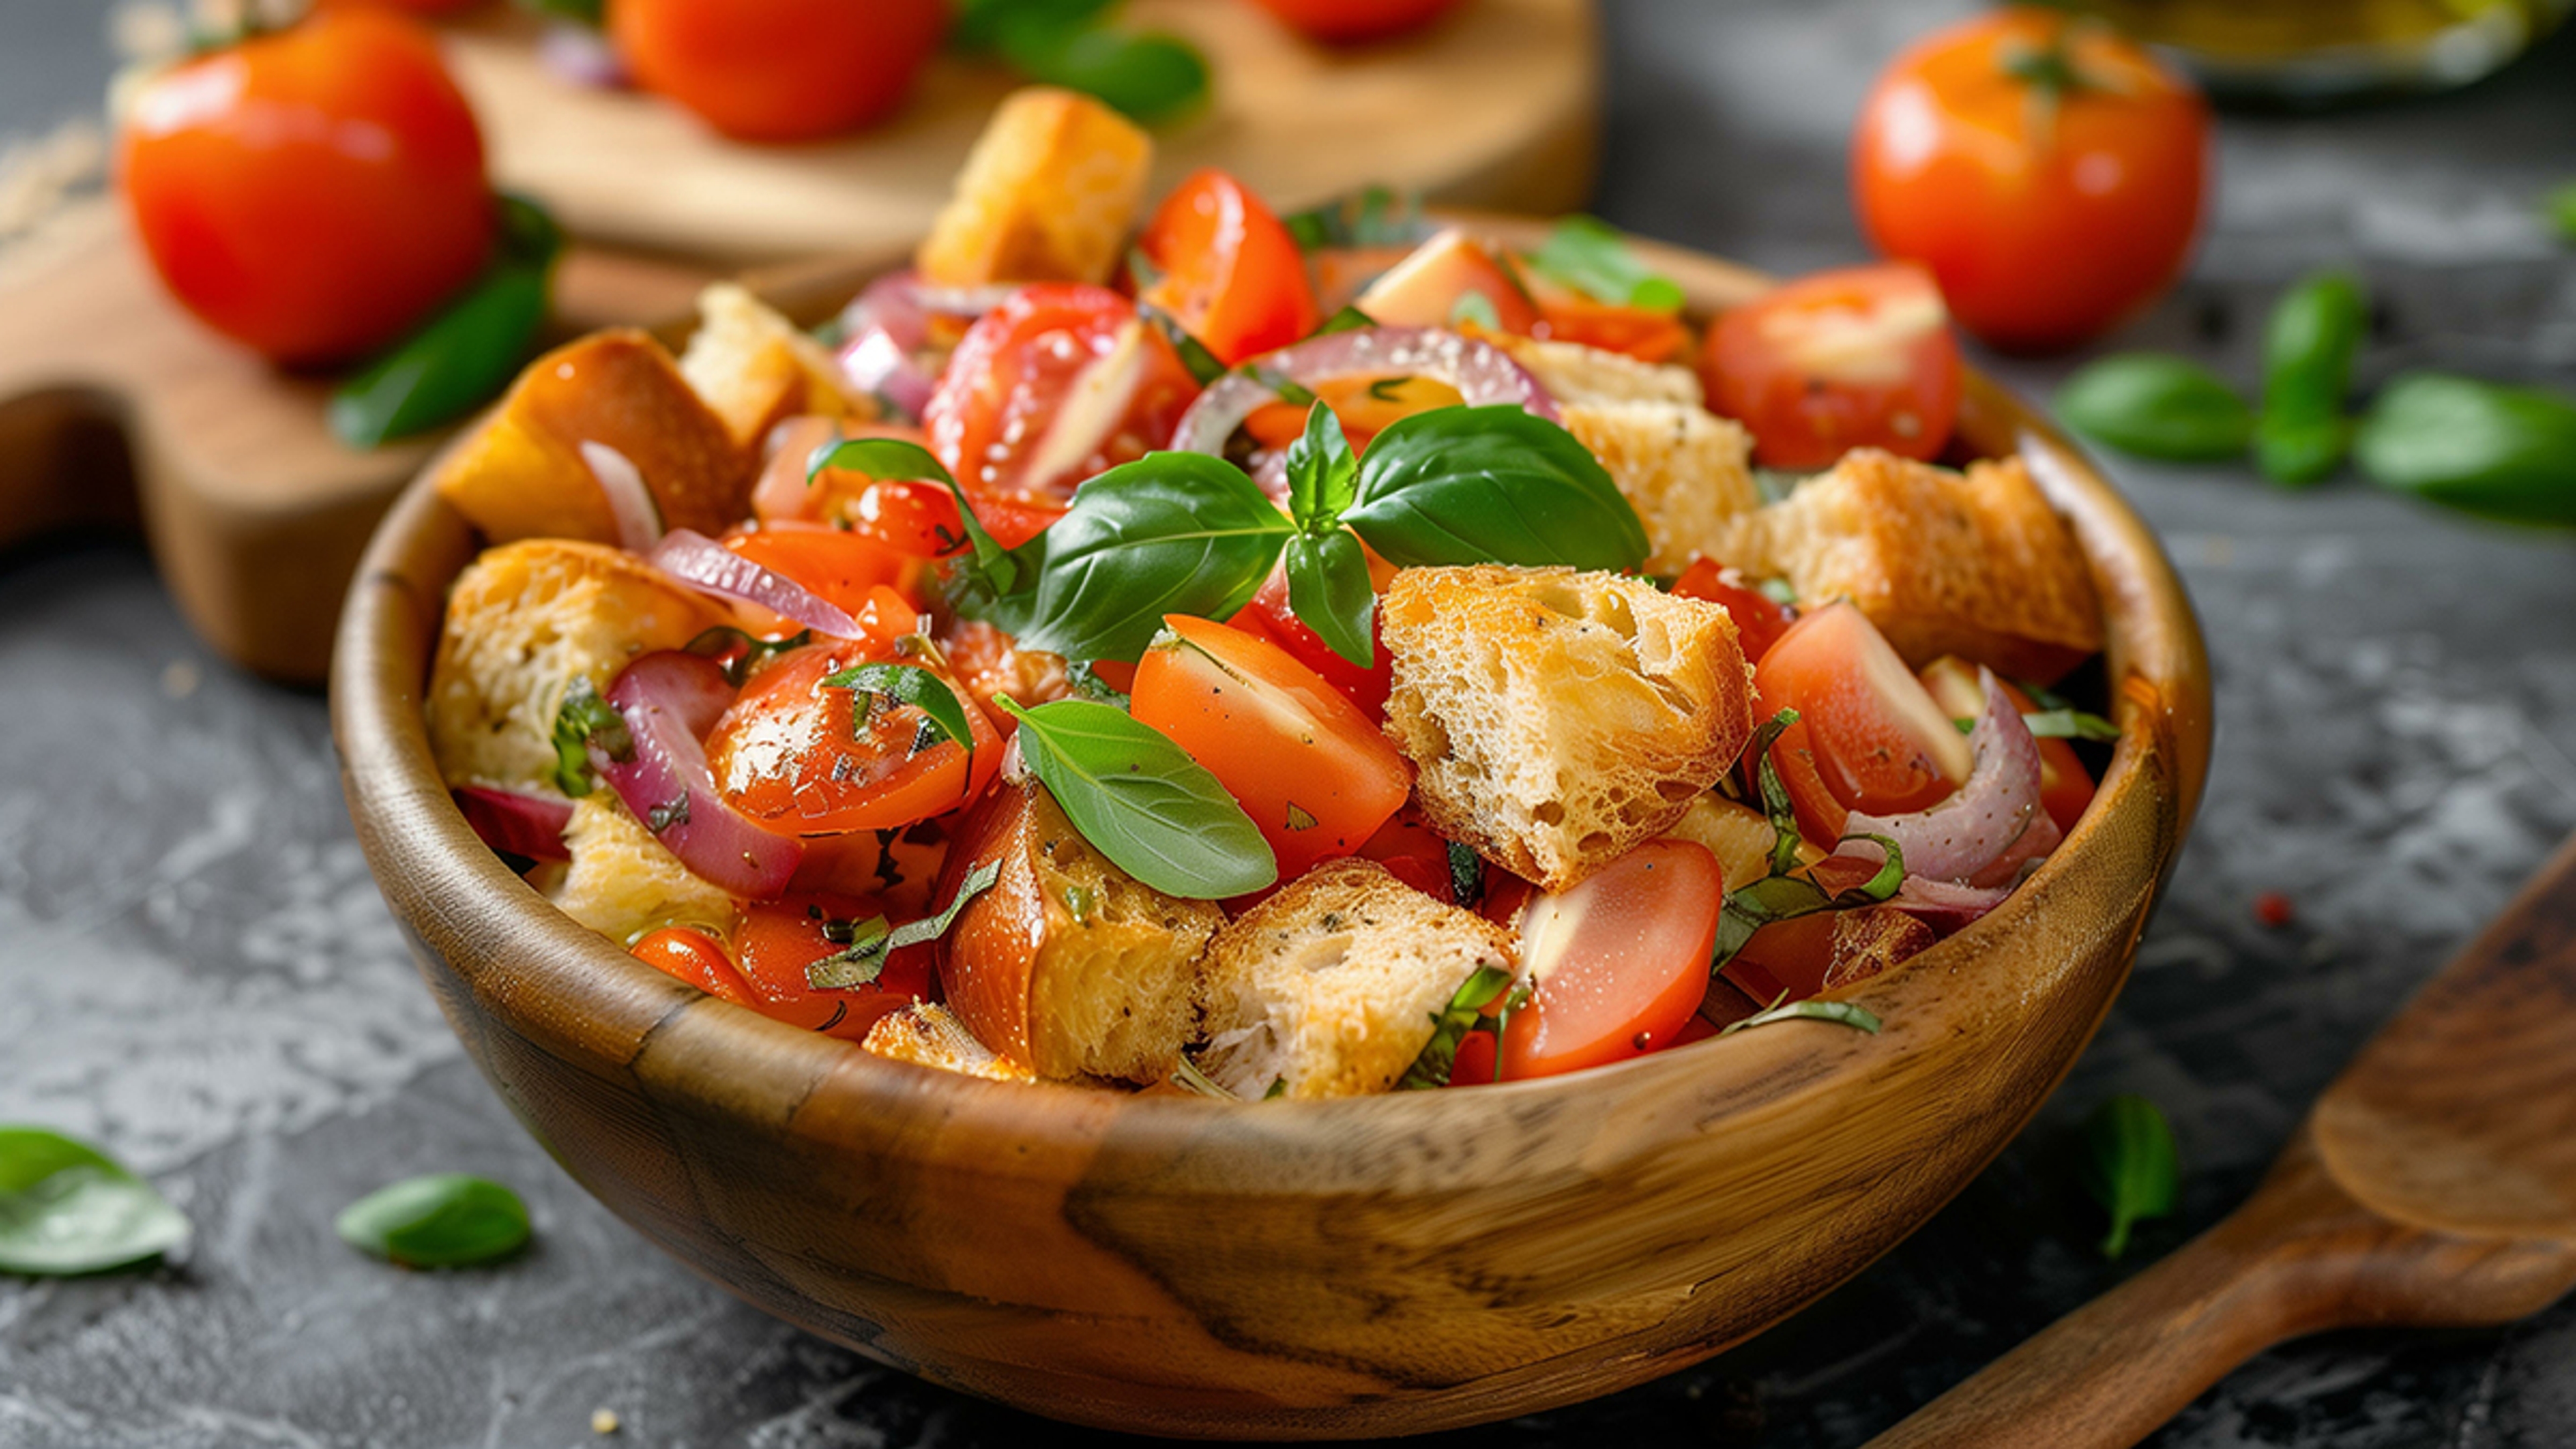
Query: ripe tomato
[
  {"x": 1617, "y": 963},
  {"x": 1565, "y": 315},
  {"x": 1367, "y": 404},
  {"x": 780, "y": 939},
  {"x": 779, "y": 70},
  {"x": 797, "y": 757},
  {"x": 1427, "y": 288},
  {"x": 1349, "y": 22},
  {"x": 839, "y": 566},
  {"x": 2065, "y": 786},
  {"x": 1310, "y": 769},
  {"x": 311, "y": 193},
  {"x": 1859, "y": 358},
  {"x": 1791, "y": 958},
  {"x": 1269, "y": 616},
  {"x": 2051, "y": 174},
  {"x": 1231, "y": 274},
  {"x": 1760, "y": 620},
  {"x": 1413, "y": 853},
  {"x": 1051, "y": 387},
  {"x": 1879, "y": 741},
  {"x": 695, "y": 957}
]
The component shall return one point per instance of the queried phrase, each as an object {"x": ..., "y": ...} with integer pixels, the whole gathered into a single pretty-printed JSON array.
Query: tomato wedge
[
  {"x": 1880, "y": 742},
  {"x": 1413, "y": 853},
  {"x": 780, "y": 939},
  {"x": 1310, "y": 769},
  {"x": 1760, "y": 620},
  {"x": 841, "y": 567},
  {"x": 1859, "y": 358},
  {"x": 1270, "y": 617},
  {"x": 2065, "y": 786},
  {"x": 1230, "y": 274},
  {"x": 1566, "y": 315},
  {"x": 1430, "y": 289},
  {"x": 797, "y": 757}
]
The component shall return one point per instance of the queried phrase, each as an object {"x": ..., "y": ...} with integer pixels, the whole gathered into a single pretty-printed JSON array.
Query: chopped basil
[
  {"x": 1278, "y": 1089},
  {"x": 1841, "y": 1013},
  {"x": 1079, "y": 903},
  {"x": 724, "y": 639},
  {"x": 1142, "y": 801},
  {"x": 914, "y": 685},
  {"x": 66, "y": 1207},
  {"x": 1476, "y": 309},
  {"x": 1784, "y": 893},
  {"x": 1086, "y": 683},
  {"x": 445, "y": 1220},
  {"x": 1371, "y": 217},
  {"x": 1594, "y": 258},
  {"x": 1203, "y": 366},
  {"x": 1349, "y": 319},
  {"x": 2130, "y": 1166},
  {"x": 2070, "y": 724},
  {"x": 1466, "y": 875},
  {"x": 871, "y": 942},
  {"x": 1449, "y": 1028},
  {"x": 1779, "y": 591},
  {"x": 992, "y": 583},
  {"x": 582, "y": 720}
]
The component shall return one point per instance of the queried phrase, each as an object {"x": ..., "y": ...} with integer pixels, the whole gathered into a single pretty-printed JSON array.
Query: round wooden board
[{"x": 1495, "y": 106}]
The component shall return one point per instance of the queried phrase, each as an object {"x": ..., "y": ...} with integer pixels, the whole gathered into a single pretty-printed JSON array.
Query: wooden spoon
[{"x": 2434, "y": 1184}]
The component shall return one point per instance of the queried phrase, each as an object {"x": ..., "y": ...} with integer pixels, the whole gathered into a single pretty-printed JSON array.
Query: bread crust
[
  {"x": 1687, "y": 472},
  {"x": 1573, "y": 373},
  {"x": 755, "y": 369},
  {"x": 928, "y": 1034},
  {"x": 1048, "y": 194}
]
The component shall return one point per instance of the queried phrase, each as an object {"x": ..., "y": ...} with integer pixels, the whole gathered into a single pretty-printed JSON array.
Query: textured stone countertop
[{"x": 196, "y": 970}]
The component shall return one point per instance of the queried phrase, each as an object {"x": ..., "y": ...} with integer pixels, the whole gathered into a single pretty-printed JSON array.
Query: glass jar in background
[{"x": 2312, "y": 52}]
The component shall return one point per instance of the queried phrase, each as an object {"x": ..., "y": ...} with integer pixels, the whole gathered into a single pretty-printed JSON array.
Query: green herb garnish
[
  {"x": 2130, "y": 1166},
  {"x": 1840, "y": 1013},
  {"x": 724, "y": 639},
  {"x": 1594, "y": 258},
  {"x": 582, "y": 720},
  {"x": 1142, "y": 801},
  {"x": 1449, "y": 1028},
  {"x": 1371, "y": 217},
  {"x": 1466, "y": 876},
  {"x": 1783, "y": 894},
  {"x": 863, "y": 959},
  {"x": 2069, "y": 724},
  {"x": 2157, "y": 406},
  {"x": 942, "y": 711},
  {"x": 1150, "y": 75},
  {"x": 66, "y": 1207},
  {"x": 446, "y": 1220},
  {"x": 1349, "y": 319},
  {"x": 2505, "y": 453},
  {"x": 1202, "y": 365},
  {"x": 1329, "y": 588},
  {"x": 2308, "y": 349}
]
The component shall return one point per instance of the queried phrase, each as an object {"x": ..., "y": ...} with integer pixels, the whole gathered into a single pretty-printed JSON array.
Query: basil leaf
[
  {"x": 1477, "y": 309},
  {"x": 1840, "y": 1013},
  {"x": 1202, "y": 365},
  {"x": 2296, "y": 454},
  {"x": 2157, "y": 406},
  {"x": 581, "y": 720},
  {"x": 1466, "y": 876},
  {"x": 2505, "y": 453},
  {"x": 2308, "y": 348},
  {"x": 2561, "y": 208},
  {"x": 863, "y": 960},
  {"x": 1152, "y": 76},
  {"x": 1784, "y": 894},
  {"x": 916, "y": 686},
  {"x": 1463, "y": 485},
  {"x": 2067, "y": 724},
  {"x": 1142, "y": 801},
  {"x": 1449, "y": 1027},
  {"x": 992, "y": 583},
  {"x": 465, "y": 354},
  {"x": 1171, "y": 533},
  {"x": 724, "y": 639},
  {"x": 1323, "y": 478},
  {"x": 1370, "y": 217},
  {"x": 980, "y": 23},
  {"x": 2130, "y": 1166},
  {"x": 1349, "y": 319},
  {"x": 66, "y": 1207},
  {"x": 1330, "y": 592},
  {"x": 445, "y": 1220},
  {"x": 1593, "y": 257},
  {"x": 1086, "y": 683}
]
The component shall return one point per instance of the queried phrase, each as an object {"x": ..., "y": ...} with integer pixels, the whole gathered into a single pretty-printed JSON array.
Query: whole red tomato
[
  {"x": 2049, "y": 173},
  {"x": 1350, "y": 22},
  {"x": 779, "y": 70},
  {"x": 310, "y": 193}
]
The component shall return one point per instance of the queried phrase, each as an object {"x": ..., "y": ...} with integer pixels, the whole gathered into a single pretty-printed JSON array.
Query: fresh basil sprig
[
  {"x": 914, "y": 685},
  {"x": 584, "y": 718},
  {"x": 1142, "y": 801},
  {"x": 862, "y": 958},
  {"x": 466, "y": 352},
  {"x": 1329, "y": 588},
  {"x": 1449, "y": 1027},
  {"x": 1594, "y": 258},
  {"x": 66, "y": 1207},
  {"x": 2157, "y": 406},
  {"x": 2130, "y": 1166},
  {"x": 1840, "y": 1013},
  {"x": 2505, "y": 453},
  {"x": 1171, "y": 533},
  {"x": 444, "y": 1220},
  {"x": 1493, "y": 484},
  {"x": 1783, "y": 894}
]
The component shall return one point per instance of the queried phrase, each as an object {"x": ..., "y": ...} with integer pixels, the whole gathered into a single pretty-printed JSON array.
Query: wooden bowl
[{"x": 1371, "y": 1266}]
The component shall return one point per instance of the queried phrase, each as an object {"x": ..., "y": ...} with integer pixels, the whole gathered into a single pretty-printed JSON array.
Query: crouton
[
  {"x": 928, "y": 1034},
  {"x": 1557, "y": 718},
  {"x": 1872, "y": 940},
  {"x": 1687, "y": 471},
  {"x": 523, "y": 622},
  {"x": 1573, "y": 373},
  {"x": 1048, "y": 194},
  {"x": 1974, "y": 564},
  {"x": 1737, "y": 834},
  {"x": 1067, "y": 963},
  {"x": 520, "y": 474},
  {"x": 755, "y": 369},
  {"x": 623, "y": 883},
  {"x": 1332, "y": 985}
]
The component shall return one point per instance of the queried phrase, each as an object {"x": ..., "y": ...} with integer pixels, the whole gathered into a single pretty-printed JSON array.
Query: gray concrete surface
[{"x": 196, "y": 970}]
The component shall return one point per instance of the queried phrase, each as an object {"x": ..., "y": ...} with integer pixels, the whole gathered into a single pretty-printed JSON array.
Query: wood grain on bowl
[{"x": 1331, "y": 1269}]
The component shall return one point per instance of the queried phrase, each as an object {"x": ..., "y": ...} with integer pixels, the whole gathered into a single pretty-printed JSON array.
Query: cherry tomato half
[
  {"x": 1760, "y": 620},
  {"x": 780, "y": 939},
  {"x": 1270, "y": 617},
  {"x": 779, "y": 70},
  {"x": 1859, "y": 358},
  {"x": 1231, "y": 275},
  {"x": 1879, "y": 741},
  {"x": 1350, "y": 22},
  {"x": 797, "y": 757},
  {"x": 839, "y": 566},
  {"x": 2051, "y": 174},
  {"x": 1565, "y": 315},
  {"x": 311, "y": 193}
]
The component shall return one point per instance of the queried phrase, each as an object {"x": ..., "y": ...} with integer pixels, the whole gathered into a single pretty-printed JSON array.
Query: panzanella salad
[{"x": 1260, "y": 656}]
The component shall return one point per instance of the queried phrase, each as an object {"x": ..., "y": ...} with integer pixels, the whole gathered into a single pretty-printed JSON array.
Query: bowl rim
[{"x": 580, "y": 997}]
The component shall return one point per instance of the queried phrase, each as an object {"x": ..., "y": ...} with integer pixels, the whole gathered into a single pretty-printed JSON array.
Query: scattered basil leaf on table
[
  {"x": 2561, "y": 208},
  {"x": 444, "y": 1220},
  {"x": 862, "y": 958},
  {"x": 1142, "y": 801},
  {"x": 66, "y": 1207},
  {"x": 1171, "y": 533},
  {"x": 580, "y": 721},
  {"x": 2064, "y": 724},
  {"x": 2157, "y": 406},
  {"x": 2505, "y": 453},
  {"x": 1466, "y": 485},
  {"x": 467, "y": 352},
  {"x": 1449, "y": 1028},
  {"x": 2308, "y": 349},
  {"x": 1594, "y": 258},
  {"x": 914, "y": 685},
  {"x": 2130, "y": 1166},
  {"x": 1840, "y": 1013}
]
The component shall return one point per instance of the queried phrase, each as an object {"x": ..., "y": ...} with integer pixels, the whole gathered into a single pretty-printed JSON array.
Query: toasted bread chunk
[
  {"x": 1068, "y": 963},
  {"x": 1048, "y": 195},
  {"x": 1872, "y": 940},
  {"x": 928, "y": 1034},
  {"x": 1687, "y": 471},
  {"x": 1332, "y": 985},
  {"x": 756, "y": 369},
  {"x": 1737, "y": 834},
  {"x": 520, "y": 474},
  {"x": 1974, "y": 564},
  {"x": 1573, "y": 373},
  {"x": 523, "y": 622},
  {"x": 623, "y": 883},
  {"x": 1557, "y": 718}
]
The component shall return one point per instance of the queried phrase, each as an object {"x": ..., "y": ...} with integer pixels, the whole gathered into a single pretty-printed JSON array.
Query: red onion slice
[
  {"x": 1481, "y": 372},
  {"x": 887, "y": 325},
  {"x": 639, "y": 519},
  {"x": 1990, "y": 825},
  {"x": 669, "y": 701},
  {"x": 701, "y": 562},
  {"x": 1944, "y": 905},
  {"x": 514, "y": 823}
]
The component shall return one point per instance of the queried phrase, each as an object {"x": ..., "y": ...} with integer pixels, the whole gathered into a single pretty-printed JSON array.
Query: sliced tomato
[
  {"x": 1821, "y": 817},
  {"x": 1413, "y": 853},
  {"x": 781, "y": 939},
  {"x": 1617, "y": 963},
  {"x": 1565, "y": 315},
  {"x": 695, "y": 957},
  {"x": 1051, "y": 387},
  {"x": 1879, "y": 741},
  {"x": 1860, "y": 358},
  {"x": 1760, "y": 620},
  {"x": 1230, "y": 273},
  {"x": 2065, "y": 786},
  {"x": 1429, "y": 288},
  {"x": 840, "y": 567},
  {"x": 797, "y": 756},
  {"x": 1270, "y": 617},
  {"x": 1312, "y": 771}
]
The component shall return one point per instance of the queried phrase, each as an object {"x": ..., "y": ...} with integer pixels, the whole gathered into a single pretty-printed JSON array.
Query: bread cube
[
  {"x": 755, "y": 369},
  {"x": 623, "y": 883},
  {"x": 928, "y": 1034},
  {"x": 1686, "y": 471},
  {"x": 1049, "y": 194}
]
